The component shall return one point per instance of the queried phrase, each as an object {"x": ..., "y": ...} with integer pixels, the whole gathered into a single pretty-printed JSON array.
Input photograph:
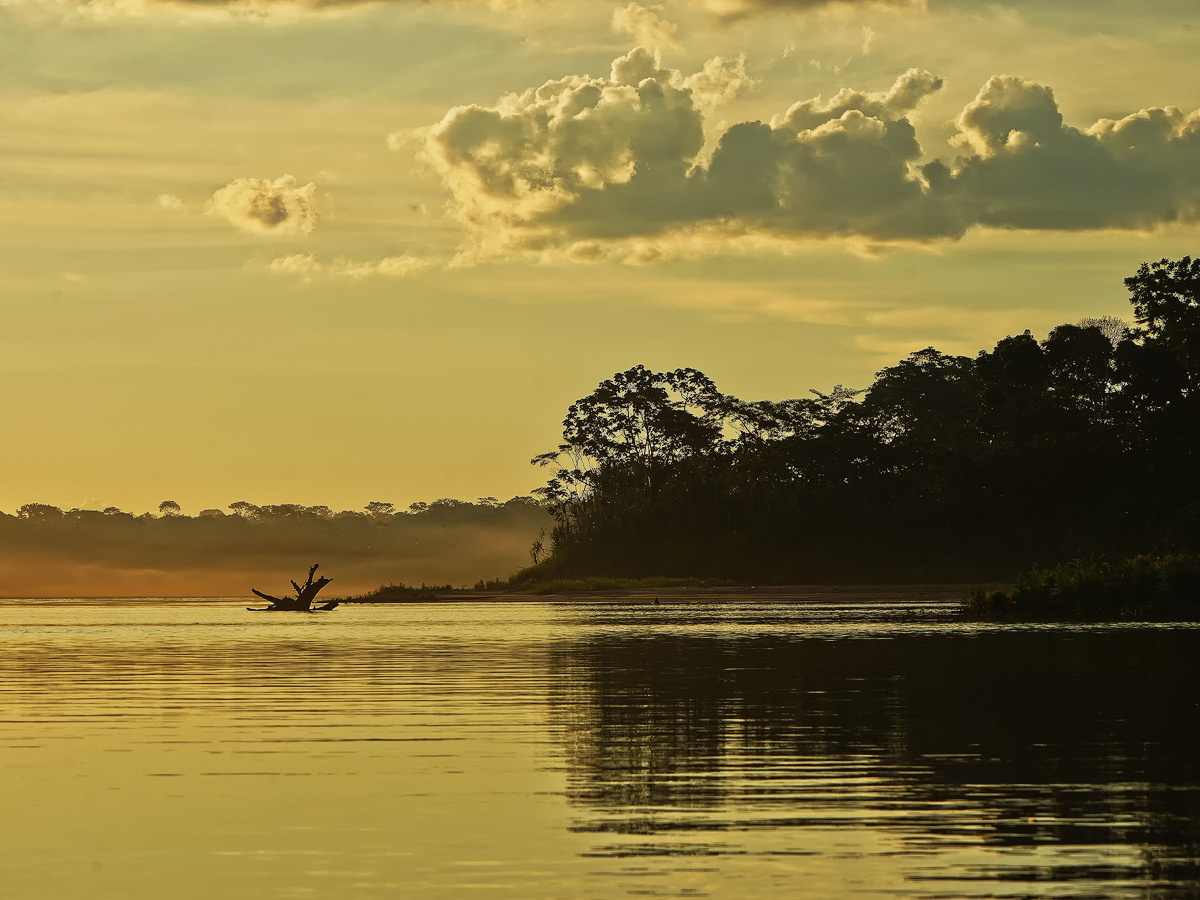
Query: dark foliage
[
  {"x": 1145, "y": 587},
  {"x": 946, "y": 468}
]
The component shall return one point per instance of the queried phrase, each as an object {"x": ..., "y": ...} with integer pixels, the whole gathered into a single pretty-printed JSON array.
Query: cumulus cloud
[
  {"x": 893, "y": 104},
  {"x": 261, "y": 206},
  {"x": 617, "y": 166},
  {"x": 719, "y": 81},
  {"x": 586, "y": 159},
  {"x": 167, "y": 201},
  {"x": 644, "y": 26}
]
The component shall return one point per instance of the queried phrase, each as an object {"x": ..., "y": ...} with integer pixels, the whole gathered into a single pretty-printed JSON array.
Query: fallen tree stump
[{"x": 304, "y": 594}]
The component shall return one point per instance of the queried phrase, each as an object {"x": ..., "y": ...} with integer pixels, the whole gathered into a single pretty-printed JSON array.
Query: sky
[{"x": 336, "y": 252}]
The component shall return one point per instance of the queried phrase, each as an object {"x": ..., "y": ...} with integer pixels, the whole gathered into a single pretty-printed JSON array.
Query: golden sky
[{"x": 334, "y": 252}]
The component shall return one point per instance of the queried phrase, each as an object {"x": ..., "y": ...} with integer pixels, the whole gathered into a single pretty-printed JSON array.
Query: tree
[
  {"x": 170, "y": 508},
  {"x": 380, "y": 510},
  {"x": 1165, "y": 294},
  {"x": 1166, "y": 305},
  {"x": 639, "y": 416},
  {"x": 39, "y": 512},
  {"x": 1116, "y": 330},
  {"x": 245, "y": 510}
]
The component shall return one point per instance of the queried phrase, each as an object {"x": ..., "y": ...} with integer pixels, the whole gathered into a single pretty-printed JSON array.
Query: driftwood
[{"x": 304, "y": 594}]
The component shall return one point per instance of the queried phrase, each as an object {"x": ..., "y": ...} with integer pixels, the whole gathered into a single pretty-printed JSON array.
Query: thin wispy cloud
[{"x": 307, "y": 266}]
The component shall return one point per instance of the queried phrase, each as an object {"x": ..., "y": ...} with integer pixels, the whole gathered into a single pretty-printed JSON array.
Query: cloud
[
  {"x": 389, "y": 267},
  {"x": 260, "y": 206},
  {"x": 167, "y": 201},
  {"x": 645, "y": 26},
  {"x": 104, "y": 10},
  {"x": 1028, "y": 169},
  {"x": 307, "y": 266},
  {"x": 593, "y": 168},
  {"x": 719, "y": 81},
  {"x": 891, "y": 105},
  {"x": 740, "y": 9}
]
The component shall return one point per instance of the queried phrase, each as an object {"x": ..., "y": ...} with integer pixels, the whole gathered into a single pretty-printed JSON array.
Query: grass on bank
[
  {"x": 400, "y": 593},
  {"x": 1144, "y": 587},
  {"x": 586, "y": 585},
  {"x": 404, "y": 593}
]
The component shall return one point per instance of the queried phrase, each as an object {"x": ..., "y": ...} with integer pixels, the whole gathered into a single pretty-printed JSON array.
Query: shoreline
[{"x": 803, "y": 593}]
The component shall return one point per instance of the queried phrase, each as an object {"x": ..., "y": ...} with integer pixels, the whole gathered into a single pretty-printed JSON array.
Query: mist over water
[
  {"x": 593, "y": 749},
  {"x": 48, "y": 552}
]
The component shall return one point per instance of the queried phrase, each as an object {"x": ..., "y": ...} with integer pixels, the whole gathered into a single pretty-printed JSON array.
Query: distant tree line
[
  {"x": 45, "y": 549},
  {"x": 947, "y": 467}
]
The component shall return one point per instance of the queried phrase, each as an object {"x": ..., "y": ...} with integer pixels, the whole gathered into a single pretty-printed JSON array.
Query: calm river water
[{"x": 190, "y": 749}]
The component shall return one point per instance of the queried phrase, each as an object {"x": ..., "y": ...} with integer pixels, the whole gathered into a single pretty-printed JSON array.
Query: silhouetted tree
[{"x": 946, "y": 467}]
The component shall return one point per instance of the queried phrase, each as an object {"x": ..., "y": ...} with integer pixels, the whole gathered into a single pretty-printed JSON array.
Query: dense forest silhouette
[
  {"x": 945, "y": 468},
  {"x": 48, "y": 551}
]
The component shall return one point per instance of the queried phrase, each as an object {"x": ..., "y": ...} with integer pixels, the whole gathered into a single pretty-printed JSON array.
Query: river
[{"x": 592, "y": 749}]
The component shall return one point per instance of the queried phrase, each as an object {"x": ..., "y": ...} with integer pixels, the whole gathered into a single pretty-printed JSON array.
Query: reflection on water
[
  {"x": 960, "y": 760},
  {"x": 593, "y": 750}
]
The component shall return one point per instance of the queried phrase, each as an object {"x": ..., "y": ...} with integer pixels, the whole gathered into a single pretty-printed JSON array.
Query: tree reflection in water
[{"x": 1067, "y": 755}]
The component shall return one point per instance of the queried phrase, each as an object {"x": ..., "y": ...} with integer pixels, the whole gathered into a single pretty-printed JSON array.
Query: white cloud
[
  {"x": 167, "y": 201},
  {"x": 402, "y": 266},
  {"x": 720, "y": 80},
  {"x": 261, "y": 206},
  {"x": 389, "y": 267},
  {"x": 306, "y": 265},
  {"x": 894, "y": 104},
  {"x": 645, "y": 26}
]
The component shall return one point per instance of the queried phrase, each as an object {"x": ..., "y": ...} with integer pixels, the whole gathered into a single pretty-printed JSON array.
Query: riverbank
[{"x": 833, "y": 593}]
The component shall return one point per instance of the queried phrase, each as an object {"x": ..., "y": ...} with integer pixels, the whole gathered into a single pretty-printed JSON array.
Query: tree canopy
[{"x": 945, "y": 467}]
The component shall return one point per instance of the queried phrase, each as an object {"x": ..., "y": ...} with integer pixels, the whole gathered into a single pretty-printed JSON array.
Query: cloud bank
[
  {"x": 583, "y": 164},
  {"x": 740, "y": 9},
  {"x": 260, "y": 206},
  {"x": 633, "y": 19}
]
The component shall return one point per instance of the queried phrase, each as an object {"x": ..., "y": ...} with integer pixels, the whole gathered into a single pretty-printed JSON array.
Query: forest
[
  {"x": 946, "y": 468},
  {"x": 48, "y": 551}
]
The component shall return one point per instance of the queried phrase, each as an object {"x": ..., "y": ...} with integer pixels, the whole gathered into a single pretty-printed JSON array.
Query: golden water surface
[{"x": 191, "y": 749}]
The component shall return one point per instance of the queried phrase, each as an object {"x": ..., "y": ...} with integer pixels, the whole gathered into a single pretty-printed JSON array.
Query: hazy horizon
[{"x": 46, "y": 552}]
